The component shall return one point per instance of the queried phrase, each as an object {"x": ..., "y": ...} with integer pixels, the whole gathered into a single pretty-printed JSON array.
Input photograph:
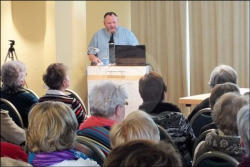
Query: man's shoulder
[
  {"x": 123, "y": 29},
  {"x": 101, "y": 31}
]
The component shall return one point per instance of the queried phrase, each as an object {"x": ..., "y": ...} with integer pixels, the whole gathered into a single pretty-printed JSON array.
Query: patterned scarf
[{"x": 48, "y": 159}]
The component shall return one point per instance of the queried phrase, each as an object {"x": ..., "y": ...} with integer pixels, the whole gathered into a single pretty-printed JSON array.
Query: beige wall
[{"x": 31, "y": 26}]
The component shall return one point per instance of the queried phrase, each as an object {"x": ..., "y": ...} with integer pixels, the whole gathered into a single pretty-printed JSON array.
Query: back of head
[
  {"x": 152, "y": 87},
  {"x": 104, "y": 99},
  {"x": 13, "y": 74},
  {"x": 225, "y": 112},
  {"x": 222, "y": 74},
  {"x": 137, "y": 125},
  {"x": 52, "y": 127},
  {"x": 143, "y": 153},
  {"x": 6, "y": 161},
  {"x": 54, "y": 76},
  {"x": 220, "y": 89},
  {"x": 243, "y": 123}
]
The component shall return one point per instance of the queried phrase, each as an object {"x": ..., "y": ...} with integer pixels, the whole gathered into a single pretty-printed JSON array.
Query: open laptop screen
[{"x": 130, "y": 55}]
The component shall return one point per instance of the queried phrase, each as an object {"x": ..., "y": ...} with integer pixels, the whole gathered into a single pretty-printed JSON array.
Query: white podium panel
[{"x": 127, "y": 76}]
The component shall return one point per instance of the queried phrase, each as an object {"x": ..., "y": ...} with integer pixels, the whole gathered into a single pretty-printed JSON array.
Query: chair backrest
[
  {"x": 201, "y": 137},
  {"x": 32, "y": 92},
  {"x": 99, "y": 136},
  {"x": 200, "y": 119},
  {"x": 215, "y": 158},
  {"x": 13, "y": 112},
  {"x": 96, "y": 153},
  {"x": 74, "y": 94}
]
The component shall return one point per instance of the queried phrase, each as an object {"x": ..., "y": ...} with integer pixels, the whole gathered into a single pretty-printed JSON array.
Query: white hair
[
  {"x": 243, "y": 124},
  {"x": 222, "y": 74},
  {"x": 13, "y": 73},
  {"x": 104, "y": 98}
]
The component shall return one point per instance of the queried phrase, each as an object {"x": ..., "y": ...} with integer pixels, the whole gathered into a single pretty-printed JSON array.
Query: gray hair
[
  {"x": 222, "y": 74},
  {"x": 104, "y": 98},
  {"x": 225, "y": 112},
  {"x": 243, "y": 123},
  {"x": 13, "y": 73}
]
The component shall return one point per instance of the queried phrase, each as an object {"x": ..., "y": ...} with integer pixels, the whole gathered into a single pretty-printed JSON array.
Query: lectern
[{"x": 127, "y": 76}]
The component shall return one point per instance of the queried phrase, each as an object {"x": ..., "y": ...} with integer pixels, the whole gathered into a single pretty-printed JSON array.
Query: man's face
[{"x": 111, "y": 23}]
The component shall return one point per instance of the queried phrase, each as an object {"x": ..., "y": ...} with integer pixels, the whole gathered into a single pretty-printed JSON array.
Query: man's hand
[{"x": 94, "y": 59}]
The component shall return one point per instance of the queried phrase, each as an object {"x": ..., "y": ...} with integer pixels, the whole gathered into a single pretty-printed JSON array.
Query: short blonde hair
[
  {"x": 137, "y": 125},
  {"x": 52, "y": 127},
  {"x": 225, "y": 112}
]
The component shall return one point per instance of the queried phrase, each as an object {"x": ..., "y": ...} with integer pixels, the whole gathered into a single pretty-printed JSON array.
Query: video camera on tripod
[{"x": 11, "y": 51}]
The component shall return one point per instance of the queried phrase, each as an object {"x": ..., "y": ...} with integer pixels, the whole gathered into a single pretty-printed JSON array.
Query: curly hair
[
  {"x": 225, "y": 112},
  {"x": 54, "y": 76}
]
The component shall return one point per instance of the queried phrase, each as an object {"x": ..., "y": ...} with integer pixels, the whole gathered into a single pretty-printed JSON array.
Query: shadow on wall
[{"x": 29, "y": 18}]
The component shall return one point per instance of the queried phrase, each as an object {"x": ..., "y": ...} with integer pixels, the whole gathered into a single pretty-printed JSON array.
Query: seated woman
[
  {"x": 153, "y": 92},
  {"x": 243, "y": 124},
  {"x": 51, "y": 136},
  {"x": 57, "y": 79},
  {"x": 225, "y": 138},
  {"x": 13, "y": 77},
  {"x": 220, "y": 74},
  {"x": 107, "y": 106},
  {"x": 216, "y": 93},
  {"x": 143, "y": 153},
  {"x": 137, "y": 125},
  {"x": 10, "y": 131}
]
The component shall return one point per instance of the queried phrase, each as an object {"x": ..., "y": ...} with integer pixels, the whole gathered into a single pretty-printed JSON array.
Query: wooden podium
[{"x": 127, "y": 76}]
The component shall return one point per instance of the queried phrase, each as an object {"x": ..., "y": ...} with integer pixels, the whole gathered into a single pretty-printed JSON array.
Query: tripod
[{"x": 11, "y": 52}]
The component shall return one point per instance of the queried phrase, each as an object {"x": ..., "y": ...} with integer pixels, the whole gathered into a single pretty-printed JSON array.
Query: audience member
[
  {"x": 220, "y": 74},
  {"x": 107, "y": 107},
  {"x": 57, "y": 79},
  {"x": 6, "y": 161},
  {"x": 10, "y": 131},
  {"x": 13, "y": 151},
  {"x": 216, "y": 93},
  {"x": 137, "y": 125},
  {"x": 13, "y": 78},
  {"x": 243, "y": 124},
  {"x": 143, "y": 153},
  {"x": 153, "y": 92},
  {"x": 225, "y": 138},
  {"x": 51, "y": 136}
]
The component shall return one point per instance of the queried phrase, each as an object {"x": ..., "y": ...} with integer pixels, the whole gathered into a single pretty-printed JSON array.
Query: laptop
[{"x": 130, "y": 55}]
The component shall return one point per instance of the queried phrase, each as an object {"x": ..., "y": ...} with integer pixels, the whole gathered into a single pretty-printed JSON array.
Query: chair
[
  {"x": 96, "y": 154},
  {"x": 32, "y": 92},
  {"x": 75, "y": 95},
  {"x": 215, "y": 158},
  {"x": 13, "y": 112},
  {"x": 99, "y": 136},
  {"x": 201, "y": 118},
  {"x": 201, "y": 137}
]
